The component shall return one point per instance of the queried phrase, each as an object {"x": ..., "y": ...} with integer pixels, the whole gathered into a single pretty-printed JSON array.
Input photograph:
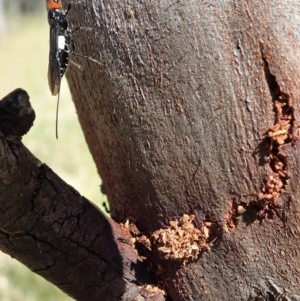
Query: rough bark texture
[
  {"x": 58, "y": 234},
  {"x": 183, "y": 104}
]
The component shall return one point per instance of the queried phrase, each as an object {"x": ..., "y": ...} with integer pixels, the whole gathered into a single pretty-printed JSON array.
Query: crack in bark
[
  {"x": 269, "y": 203},
  {"x": 192, "y": 180},
  {"x": 270, "y": 291},
  {"x": 91, "y": 252},
  {"x": 47, "y": 267}
]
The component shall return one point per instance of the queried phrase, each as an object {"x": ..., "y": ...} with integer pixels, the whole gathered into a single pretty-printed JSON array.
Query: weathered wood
[
  {"x": 16, "y": 114},
  {"x": 179, "y": 103},
  {"x": 57, "y": 233}
]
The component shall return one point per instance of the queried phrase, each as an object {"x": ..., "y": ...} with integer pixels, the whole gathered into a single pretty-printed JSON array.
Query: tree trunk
[{"x": 190, "y": 109}]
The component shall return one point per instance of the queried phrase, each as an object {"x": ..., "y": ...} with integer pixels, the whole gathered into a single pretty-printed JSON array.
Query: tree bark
[
  {"x": 51, "y": 228},
  {"x": 191, "y": 107}
]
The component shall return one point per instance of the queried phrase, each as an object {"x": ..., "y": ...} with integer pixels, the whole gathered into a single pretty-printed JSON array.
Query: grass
[{"x": 23, "y": 63}]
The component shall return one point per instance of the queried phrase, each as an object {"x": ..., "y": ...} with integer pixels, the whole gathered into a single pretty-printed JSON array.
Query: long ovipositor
[
  {"x": 60, "y": 42},
  {"x": 61, "y": 45}
]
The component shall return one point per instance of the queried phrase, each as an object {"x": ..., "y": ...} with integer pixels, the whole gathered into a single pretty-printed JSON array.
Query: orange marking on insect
[{"x": 54, "y": 4}]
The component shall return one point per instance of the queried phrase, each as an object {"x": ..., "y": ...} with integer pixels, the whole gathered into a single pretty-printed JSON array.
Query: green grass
[{"x": 23, "y": 63}]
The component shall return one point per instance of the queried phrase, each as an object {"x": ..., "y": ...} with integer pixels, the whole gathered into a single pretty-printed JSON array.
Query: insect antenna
[
  {"x": 87, "y": 58},
  {"x": 77, "y": 65}
]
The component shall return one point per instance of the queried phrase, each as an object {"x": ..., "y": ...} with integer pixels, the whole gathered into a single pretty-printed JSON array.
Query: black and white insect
[{"x": 60, "y": 45}]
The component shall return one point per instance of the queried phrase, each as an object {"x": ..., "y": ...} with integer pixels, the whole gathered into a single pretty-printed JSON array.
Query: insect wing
[{"x": 54, "y": 77}]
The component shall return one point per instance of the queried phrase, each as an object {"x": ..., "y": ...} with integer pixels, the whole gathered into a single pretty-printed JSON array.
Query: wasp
[{"x": 60, "y": 45}]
